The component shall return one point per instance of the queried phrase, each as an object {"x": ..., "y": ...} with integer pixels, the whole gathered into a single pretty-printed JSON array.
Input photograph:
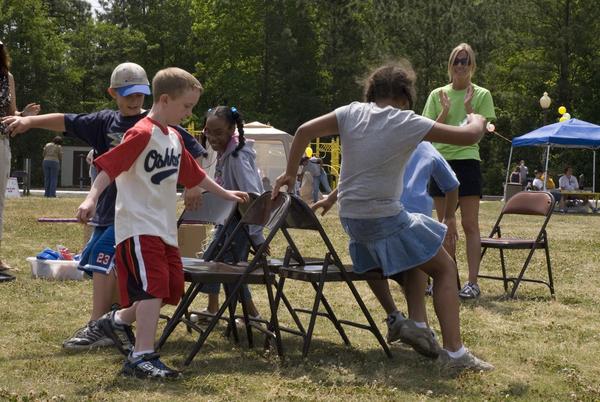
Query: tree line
[{"x": 286, "y": 61}]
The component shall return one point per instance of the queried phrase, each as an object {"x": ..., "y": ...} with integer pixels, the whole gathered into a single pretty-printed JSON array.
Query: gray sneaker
[
  {"x": 470, "y": 291},
  {"x": 88, "y": 337},
  {"x": 422, "y": 340},
  {"x": 394, "y": 323},
  {"x": 468, "y": 361}
]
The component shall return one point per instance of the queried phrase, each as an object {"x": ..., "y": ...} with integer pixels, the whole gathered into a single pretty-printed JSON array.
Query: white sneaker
[
  {"x": 422, "y": 340},
  {"x": 468, "y": 361}
]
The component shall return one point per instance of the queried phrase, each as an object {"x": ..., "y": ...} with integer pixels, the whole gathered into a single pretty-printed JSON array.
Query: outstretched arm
[
  {"x": 210, "y": 185},
  {"x": 326, "y": 203},
  {"x": 468, "y": 134},
  {"x": 20, "y": 124},
  {"x": 319, "y": 127}
]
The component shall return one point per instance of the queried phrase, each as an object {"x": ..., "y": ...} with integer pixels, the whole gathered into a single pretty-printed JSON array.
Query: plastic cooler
[{"x": 60, "y": 270}]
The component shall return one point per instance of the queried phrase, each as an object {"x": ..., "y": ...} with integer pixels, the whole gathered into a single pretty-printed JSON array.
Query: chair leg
[
  {"x": 231, "y": 306},
  {"x": 503, "y": 265},
  {"x": 274, "y": 321},
  {"x": 212, "y": 324},
  {"x": 313, "y": 316},
  {"x": 548, "y": 264},
  {"x": 374, "y": 329},
  {"x": 246, "y": 320},
  {"x": 522, "y": 273},
  {"x": 180, "y": 311},
  {"x": 332, "y": 317}
]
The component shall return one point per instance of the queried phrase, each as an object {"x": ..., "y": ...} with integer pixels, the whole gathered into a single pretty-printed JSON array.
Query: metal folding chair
[
  {"x": 317, "y": 272},
  {"x": 264, "y": 212},
  {"x": 534, "y": 203}
]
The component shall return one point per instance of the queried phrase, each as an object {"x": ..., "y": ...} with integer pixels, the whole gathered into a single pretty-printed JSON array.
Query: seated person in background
[
  {"x": 568, "y": 182},
  {"x": 538, "y": 182},
  {"x": 515, "y": 176}
]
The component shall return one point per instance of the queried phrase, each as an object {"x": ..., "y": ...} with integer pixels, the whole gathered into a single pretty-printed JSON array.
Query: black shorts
[{"x": 468, "y": 173}]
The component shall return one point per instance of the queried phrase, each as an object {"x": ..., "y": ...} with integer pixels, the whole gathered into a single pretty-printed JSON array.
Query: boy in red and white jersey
[{"x": 147, "y": 166}]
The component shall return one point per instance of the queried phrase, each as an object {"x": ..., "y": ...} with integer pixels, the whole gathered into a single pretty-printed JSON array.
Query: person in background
[
  {"x": 315, "y": 167},
  {"x": 8, "y": 107},
  {"x": 524, "y": 171},
  {"x": 51, "y": 165},
  {"x": 515, "y": 176},
  {"x": 451, "y": 104}
]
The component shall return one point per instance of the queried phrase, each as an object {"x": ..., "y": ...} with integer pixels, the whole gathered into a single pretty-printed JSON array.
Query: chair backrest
[
  {"x": 530, "y": 203},
  {"x": 214, "y": 210},
  {"x": 266, "y": 212}
]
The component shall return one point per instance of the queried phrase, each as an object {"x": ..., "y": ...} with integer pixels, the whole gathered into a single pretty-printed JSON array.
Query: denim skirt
[{"x": 393, "y": 243}]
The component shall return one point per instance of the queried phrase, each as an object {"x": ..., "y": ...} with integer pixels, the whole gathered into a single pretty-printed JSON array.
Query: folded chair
[
  {"x": 264, "y": 212},
  {"x": 317, "y": 272},
  {"x": 534, "y": 203}
]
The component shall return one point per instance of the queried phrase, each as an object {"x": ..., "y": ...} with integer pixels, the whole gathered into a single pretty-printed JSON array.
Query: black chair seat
[
  {"x": 510, "y": 243},
  {"x": 220, "y": 272},
  {"x": 313, "y": 273}
]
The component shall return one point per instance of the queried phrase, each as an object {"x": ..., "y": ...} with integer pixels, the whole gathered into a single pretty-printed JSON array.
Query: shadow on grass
[{"x": 329, "y": 363}]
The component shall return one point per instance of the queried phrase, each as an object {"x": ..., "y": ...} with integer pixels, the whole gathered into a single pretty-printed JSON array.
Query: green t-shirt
[{"x": 482, "y": 103}]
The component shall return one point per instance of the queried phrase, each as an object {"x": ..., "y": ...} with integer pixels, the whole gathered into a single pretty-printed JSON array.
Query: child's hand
[
  {"x": 32, "y": 109},
  {"x": 326, "y": 203},
  {"x": 15, "y": 125},
  {"x": 451, "y": 236},
  {"x": 238, "y": 196},
  {"x": 86, "y": 211},
  {"x": 192, "y": 198},
  {"x": 283, "y": 180}
]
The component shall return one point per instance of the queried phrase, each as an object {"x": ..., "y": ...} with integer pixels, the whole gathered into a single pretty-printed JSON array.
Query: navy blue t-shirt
[{"x": 104, "y": 130}]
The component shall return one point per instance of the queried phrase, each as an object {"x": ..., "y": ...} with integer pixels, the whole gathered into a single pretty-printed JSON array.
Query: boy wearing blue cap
[{"x": 103, "y": 130}]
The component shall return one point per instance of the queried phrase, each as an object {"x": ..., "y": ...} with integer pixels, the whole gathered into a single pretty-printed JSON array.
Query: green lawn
[{"x": 543, "y": 349}]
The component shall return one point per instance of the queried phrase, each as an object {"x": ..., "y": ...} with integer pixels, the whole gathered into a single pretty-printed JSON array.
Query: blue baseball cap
[{"x": 130, "y": 78}]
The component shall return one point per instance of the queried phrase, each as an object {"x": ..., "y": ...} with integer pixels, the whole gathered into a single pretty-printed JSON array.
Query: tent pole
[
  {"x": 546, "y": 167},
  {"x": 508, "y": 166},
  {"x": 594, "y": 176}
]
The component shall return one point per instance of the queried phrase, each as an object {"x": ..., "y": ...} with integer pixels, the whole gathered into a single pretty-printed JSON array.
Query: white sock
[
  {"x": 459, "y": 353},
  {"x": 135, "y": 354},
  {"x": 420, "y": 324},
  {"x": 118, "y": 319}
]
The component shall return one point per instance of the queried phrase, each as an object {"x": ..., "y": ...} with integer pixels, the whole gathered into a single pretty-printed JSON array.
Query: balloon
[
  {"x": 491, "y": 128},
  {"x": 308, "y": 152},
  {"x": 562, "y": 110},
  {"x": 563, "y": 118},
  {"x": 567, "y": 116}
]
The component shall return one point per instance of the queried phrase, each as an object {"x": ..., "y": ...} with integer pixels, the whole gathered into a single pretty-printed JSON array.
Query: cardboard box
[{"x": 192, "y": 238}]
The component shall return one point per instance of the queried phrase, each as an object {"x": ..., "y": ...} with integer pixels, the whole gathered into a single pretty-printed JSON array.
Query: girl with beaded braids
[{"x": 235, "y": 169}]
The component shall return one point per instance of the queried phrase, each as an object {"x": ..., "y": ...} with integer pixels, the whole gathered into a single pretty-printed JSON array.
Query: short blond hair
[
  {"x": 467, "y": 48},
  {"x": 174, "y": 82}
]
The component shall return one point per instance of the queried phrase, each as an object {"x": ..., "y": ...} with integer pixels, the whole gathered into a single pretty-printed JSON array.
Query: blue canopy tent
[{"x": 572, "y": 133}]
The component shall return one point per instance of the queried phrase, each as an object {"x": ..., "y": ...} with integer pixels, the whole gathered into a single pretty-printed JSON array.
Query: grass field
[{"x": 543, "y": 349}]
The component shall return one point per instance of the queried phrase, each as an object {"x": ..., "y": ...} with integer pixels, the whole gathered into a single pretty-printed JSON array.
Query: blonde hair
[
  {"x": 174, "y": 82},
  {"x": 471, "y": 54}
]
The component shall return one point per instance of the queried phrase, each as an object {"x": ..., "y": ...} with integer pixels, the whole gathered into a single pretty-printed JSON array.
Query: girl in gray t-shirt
[{"x": 378, "y": 137}]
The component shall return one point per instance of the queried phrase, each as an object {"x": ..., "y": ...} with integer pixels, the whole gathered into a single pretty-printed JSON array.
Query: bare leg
[
  {"x": 445, "y": 299},
  {"x": 381, "y": 290},
  {"x": 147, "y": 313},
  {"x": 213, "y": 302},
  {"x": 103, "y": 293},
  {"x": 469, "y": 212},
  {"x": 414, "y": 291},
  {"x": 252, "y": 310},
  {"x": 440, "y": 210}
]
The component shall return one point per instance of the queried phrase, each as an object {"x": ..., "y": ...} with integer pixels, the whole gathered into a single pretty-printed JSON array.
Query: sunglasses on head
[{"x": 464, "y": 61}]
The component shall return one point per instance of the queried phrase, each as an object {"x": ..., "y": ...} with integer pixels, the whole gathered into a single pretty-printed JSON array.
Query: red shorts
[{"x": 148, "y": 268}]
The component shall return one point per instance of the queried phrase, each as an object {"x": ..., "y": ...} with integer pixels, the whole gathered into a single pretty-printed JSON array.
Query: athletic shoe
[
  {"x": 422, "y": 340},
  {"x": 88, "y": 337},
  {"x": 148, "y": 366},
  {"x": 121, "y": 334},
  {"x": 469, "y": 291},
  {"x": 203, "y": 318},
  {"x": 468, "y": 361},
  {"x": 429, "y": 290},
  {"x": 394, "y": 324}
]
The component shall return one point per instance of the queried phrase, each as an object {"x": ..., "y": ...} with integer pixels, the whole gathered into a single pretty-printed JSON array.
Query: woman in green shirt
[{"x": 450, "y": 104}]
